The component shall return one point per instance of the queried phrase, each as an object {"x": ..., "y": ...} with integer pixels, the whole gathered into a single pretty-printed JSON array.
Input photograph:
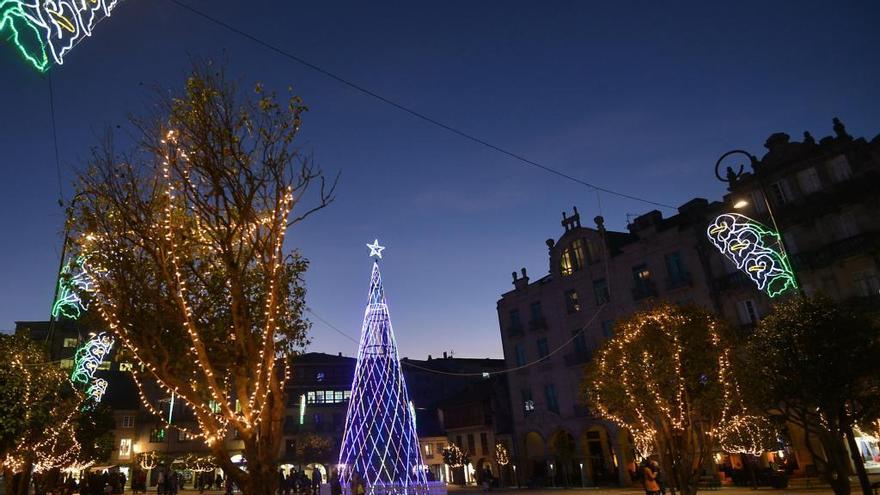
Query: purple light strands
[{"x": 380, "y": 443}]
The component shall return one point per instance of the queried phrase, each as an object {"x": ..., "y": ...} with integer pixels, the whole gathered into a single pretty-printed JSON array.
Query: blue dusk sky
[{"x": 640, "y": 97}]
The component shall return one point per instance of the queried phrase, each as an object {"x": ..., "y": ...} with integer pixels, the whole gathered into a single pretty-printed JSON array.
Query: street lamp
[{"x": 732, "y": 176}]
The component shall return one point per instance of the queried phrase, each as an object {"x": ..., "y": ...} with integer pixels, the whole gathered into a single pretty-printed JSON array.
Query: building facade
[{"x": 824, "y": 197}]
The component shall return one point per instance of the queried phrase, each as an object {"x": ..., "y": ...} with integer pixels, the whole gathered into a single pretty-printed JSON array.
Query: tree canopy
[{"x": 183, "y": 239}]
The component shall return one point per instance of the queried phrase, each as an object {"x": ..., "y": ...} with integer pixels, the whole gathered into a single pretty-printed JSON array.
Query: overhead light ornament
[
  {"x": 755, "y": 249},
  {"x": 44, "y": 31}
]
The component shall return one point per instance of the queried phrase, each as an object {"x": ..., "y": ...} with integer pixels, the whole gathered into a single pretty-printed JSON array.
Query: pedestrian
[
  {"x": 218, "y": 481},
  {"x": 335, "y": 485},
  {"x": 316, "y": 481},
  {"x": 658, "y": 476},
  {"x": 160, "y": 482},
  {"x": 649, "y": 479}
]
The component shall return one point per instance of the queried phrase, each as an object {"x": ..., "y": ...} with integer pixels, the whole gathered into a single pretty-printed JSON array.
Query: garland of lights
[
  {"x": 749, "y": 244},
  {"x": 44, "y": 31},
  {"x": 380, "y": 441},
  {"x": 501, "y": 455},
  {"x": 453, "y": 456},
  {"x": 148, "y": 460}
]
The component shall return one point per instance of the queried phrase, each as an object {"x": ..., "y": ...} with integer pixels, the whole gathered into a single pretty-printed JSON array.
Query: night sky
[{"x": 636, "y": 97}]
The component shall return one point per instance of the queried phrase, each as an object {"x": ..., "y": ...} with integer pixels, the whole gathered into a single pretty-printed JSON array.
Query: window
[
  {"x": 600, "y": 289},
  {"x": 675, "y": 268},
  {"x": 515, "y": 322},
  {"x": 71, "y": 342},
  {"x": 429, "y": 450},
  {"x": 608, "y": 328},
  {"x": 758, "y": 201},
  {"x": 779, "y": 192},
  {"x": 124, "y": 448},
  {"x": 808, "y": 180},
  {"x": 472, "y": 446},
  {"x": 105, "y": 365},
  {"x": 552, "y": 400},
  {"x": 484, "y": 443},
  {"x": 214, "y": 406},
  {"x": 327, "y": 396},
  {"x": 846, "y": 226},
  {"x": 66, "y": 364},
  {"x": 535, "y": 310},
  {"x": 566, "y": 265},
  {"x": 571, "y": 301},
  {"x": 580, "y": 342},
  {"x": 157, "y": 435},
  {"x": 543, "y": 348},
  {"x": 642, "y": 279},
  {"x": 519, "y": 352},
  {"x": 125, "y": 366},
  {"x": 572, "y": 258},
  {"x": 838, "y": 169},
  {"x": 528, "y": 403},
  {"x": 748, "y": 315},
  {"x": 184, "y": 436},
  {"x": 592, "y": 252},
  {"x": 867, "y": 284},
  {"x": 578, "y": 253},
  {"x": 128, "y": 421}
]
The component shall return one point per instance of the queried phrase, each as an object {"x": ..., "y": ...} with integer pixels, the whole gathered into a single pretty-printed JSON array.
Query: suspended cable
[
  {"x": 404, "y": 108},
  {"x": 55, "y": 140}
]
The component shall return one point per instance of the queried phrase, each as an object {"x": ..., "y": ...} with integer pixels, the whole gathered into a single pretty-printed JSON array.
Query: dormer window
[{"x": 572, "y": 258}]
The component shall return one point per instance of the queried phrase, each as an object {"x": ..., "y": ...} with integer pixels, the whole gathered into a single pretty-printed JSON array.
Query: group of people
[{"x": 299, "y": 482}]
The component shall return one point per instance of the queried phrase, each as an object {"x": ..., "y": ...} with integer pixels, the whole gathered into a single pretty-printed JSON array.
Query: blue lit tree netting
[{"x": 380, "y": 441}]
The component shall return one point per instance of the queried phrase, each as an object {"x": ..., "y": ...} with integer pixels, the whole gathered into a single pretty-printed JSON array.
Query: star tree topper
[{"x": 376, "y": 249}]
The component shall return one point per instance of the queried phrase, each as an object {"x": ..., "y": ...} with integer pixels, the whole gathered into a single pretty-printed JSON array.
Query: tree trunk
[
  {"x": 17, "y": 483},
  {"x": 858, "y": 462}
]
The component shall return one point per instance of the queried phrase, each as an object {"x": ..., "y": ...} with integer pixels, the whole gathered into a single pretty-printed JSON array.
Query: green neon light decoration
[
  {"x": 755, "y": 249},
  {"x": 86, "y": 362},
  {"x": 44, "y": 31},
  {"x": 73, "y": 282}
]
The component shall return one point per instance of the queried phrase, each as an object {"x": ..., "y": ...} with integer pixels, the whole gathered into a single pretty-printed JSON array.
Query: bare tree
[{"x": 183, "y": 238}]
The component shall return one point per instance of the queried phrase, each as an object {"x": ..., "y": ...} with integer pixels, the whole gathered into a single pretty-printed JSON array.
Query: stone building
[{"x": 824, "y": 197}]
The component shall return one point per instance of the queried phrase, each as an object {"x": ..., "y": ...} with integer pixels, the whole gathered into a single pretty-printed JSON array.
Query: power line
[
  {"x": 55, "y": 140},
  {"x": 484, "y": 373},
  {"x": 404, "y": 108}
]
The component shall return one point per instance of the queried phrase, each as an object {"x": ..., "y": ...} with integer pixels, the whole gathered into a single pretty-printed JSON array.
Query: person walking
[
  {"x": 335, "y": 485},
  {"x": 649, "y": 479},
  {"x": 316, "y": 481},
  {"x": 160, "y": 482}
]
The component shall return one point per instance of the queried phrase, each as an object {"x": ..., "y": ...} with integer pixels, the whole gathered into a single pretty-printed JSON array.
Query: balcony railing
[
  {"x": 730, "y": 281},
  {"x": 644, "y": 290},
  {"x": 538, "y": 324},
  {"x": 578, "y": 357},
  {"x": 683, "y": 280},
  {"x": 829, "y": 253}
]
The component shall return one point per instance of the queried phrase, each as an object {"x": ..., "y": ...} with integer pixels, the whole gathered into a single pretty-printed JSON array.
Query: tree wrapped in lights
[
  {"x": 453, "y": 456},
  {"x": 380, "y": 442},
  {"x": 501, "y": 455},
  {"x": 38, "y": 414},
  {"x": 665, "y": 376},
  {"x": 185, "y": 242}
]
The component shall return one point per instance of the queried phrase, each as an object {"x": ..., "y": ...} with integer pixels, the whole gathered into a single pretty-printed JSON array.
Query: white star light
[{"x": 376, "y": 249}]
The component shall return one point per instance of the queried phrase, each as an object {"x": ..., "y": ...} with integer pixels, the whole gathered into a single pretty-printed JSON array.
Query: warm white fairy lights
[
  {"x": 630, "y": 390},
  {"x": 189, "y": 252}
]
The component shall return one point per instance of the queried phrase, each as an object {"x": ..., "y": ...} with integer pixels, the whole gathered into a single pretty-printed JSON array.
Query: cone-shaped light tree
[{"x": 380, "y": 443}]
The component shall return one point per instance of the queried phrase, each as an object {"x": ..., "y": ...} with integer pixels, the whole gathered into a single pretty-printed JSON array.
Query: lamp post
[{"x": 731, "y": 176}]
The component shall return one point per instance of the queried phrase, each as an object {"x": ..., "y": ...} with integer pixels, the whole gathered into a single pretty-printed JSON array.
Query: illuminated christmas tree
[{"x": 380, "y": 442}]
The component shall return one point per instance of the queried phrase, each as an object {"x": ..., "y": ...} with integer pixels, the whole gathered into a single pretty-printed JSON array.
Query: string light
[
  {"x": 453, "y": 456},
  {"x": 501, "y": 455},
  {"x": 86, "y": 362},
  {"x": 380, "y": 441},
  {"x": 73, "y": 282},
  {"x": 52, "y": 27},
  {"x": 750, "y": 245},
  {"x": 627, "y": 387}
]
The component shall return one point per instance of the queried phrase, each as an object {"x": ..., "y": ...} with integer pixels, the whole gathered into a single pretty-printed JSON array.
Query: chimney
[
  {"x": 340, "y": 354},
  {"x": 444, "y": 355},
  {"x": 572, "y": 222},
  {"x": 429, "y": 357},
  {"x": 522, "y": 282}
]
